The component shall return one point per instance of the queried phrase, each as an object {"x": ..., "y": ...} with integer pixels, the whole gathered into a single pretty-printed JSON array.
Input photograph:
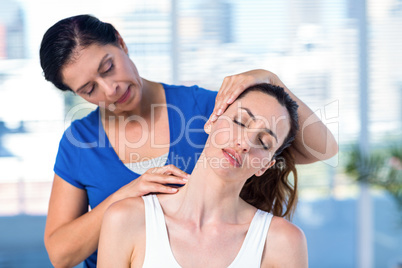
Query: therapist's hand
[
  {"x": 154, "y": 180},
  {"x": 234, "y": 85}
]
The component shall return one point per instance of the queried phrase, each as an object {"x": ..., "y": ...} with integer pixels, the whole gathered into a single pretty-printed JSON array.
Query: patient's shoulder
[
  {"x": 127, "y": 212},
  {"x": 285, "y": 246}
]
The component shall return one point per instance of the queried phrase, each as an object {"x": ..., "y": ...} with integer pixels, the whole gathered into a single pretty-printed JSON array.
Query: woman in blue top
[{"x": 137, "y": 121}]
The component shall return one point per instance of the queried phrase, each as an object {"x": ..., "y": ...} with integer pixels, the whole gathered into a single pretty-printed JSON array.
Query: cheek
[
  {"x": 258, "y": 160},
  {"x": 129, "y": 69},
  {"x": 98, "y": 99},
  {"x": 94, "y": 99},
  {"x": 222, "y": 133}
]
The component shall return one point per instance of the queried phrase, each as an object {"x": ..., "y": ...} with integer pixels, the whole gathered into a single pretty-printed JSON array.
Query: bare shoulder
[
  {"x": 285, "y": 246},
  {"x": 122, "y": 236},
  {"x": 285, "y": 232},
  {"x": 126, "y": 212}
]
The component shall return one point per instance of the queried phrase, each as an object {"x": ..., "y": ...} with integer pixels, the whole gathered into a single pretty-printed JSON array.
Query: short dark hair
[{"x": 60, "y": 41}]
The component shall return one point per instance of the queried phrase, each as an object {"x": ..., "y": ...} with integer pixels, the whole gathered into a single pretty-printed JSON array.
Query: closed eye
[
  {"x": 263, "y": 144},
  {"x": 259, "y": 139},
  {"x": 239, "y": 123},
  {"x": 90, "y": 91},
  {"x": 110, "y": 69}
]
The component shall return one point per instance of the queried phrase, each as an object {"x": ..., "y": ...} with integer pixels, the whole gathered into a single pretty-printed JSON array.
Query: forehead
[
  {"x": 261, "y": 104},
  {"x": 84, "y": 64}
]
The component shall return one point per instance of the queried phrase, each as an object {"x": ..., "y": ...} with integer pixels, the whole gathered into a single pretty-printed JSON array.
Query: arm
[
  {"x": 72, "y": 233},
  {"x": 285, "y": 246},
  {"x": 314, "y": 141}
]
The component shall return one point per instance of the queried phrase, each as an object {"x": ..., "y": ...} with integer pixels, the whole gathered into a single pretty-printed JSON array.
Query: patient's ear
[
  {"x": 208, "y": 127},
  {"x": 262, "y": 170}
]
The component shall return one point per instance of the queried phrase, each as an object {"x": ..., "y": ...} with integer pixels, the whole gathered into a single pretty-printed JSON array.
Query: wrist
[{"x": 116, "y": 196}]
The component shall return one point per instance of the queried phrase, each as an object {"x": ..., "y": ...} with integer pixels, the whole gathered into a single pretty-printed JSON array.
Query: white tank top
[{"x": 159, "y": 254}]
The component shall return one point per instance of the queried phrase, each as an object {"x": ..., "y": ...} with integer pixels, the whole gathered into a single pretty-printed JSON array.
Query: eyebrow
[
  {"x": 265, "y": 129},
  {"x": 99, "y": 67}
]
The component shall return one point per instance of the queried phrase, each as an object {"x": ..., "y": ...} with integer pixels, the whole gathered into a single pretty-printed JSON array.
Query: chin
[
  {"x": 133, "y": 104},
  {"x": 226, "y": 170}
]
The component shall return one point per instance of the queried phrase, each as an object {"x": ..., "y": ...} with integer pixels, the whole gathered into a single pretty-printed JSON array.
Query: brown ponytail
[{"x": 274, "y": 192}]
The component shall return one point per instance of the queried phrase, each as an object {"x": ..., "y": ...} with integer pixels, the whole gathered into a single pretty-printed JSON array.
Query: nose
[
  {"x": 108, "y": 86},
  {"x": 247, "y": 139},
  {"x": 243, "y": 142}
]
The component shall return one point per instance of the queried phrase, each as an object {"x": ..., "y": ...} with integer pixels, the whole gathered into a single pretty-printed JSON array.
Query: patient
[{"x": 231, "y": 212}]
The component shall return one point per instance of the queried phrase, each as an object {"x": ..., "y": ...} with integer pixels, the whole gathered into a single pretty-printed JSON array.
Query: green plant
[{"x": 381, "y": 167}]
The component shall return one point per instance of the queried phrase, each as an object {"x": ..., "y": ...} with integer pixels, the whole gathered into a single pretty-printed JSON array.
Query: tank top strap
[
  {"x": 250, "y": 253},
  {"x": 157, "y": 249}
]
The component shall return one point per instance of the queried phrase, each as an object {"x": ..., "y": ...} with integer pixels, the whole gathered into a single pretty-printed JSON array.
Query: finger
[
  {"x": 236, "y": 92},
  {"x": 173, "y": 170},
  {"x": 160, "y": 188},
  {"x": 220, "y": 103},
  {"x": 164, "y": 178},
  {"x": 212, "y": 119},
  {"x": 220, "y": 108},
  {"x": 221, "y": 97},
  {"x": 147, "y": 187},
  {"x": 226, "y": 92},
  {"x": 169, "y": 179}
]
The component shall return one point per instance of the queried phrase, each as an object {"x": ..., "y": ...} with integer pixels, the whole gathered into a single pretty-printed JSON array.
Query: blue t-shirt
[{"x": 87, "y": 160}]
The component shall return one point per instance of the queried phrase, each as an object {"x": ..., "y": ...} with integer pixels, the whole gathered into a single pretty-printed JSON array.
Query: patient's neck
[{"x": 208, "y": 197}]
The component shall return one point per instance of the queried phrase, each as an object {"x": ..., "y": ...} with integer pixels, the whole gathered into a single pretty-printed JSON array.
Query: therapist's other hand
[
  {"x": 155, "y": 180},
  {"x": 234, "y": 85}
]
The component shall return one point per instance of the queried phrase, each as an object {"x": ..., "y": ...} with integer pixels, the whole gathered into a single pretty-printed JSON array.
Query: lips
[
  {"x": 233, "y": 157},
  {"x": 125, "y": 96}
]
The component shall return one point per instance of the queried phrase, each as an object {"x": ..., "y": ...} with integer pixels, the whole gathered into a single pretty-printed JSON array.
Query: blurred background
[{"x": 342, "y": 57}]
